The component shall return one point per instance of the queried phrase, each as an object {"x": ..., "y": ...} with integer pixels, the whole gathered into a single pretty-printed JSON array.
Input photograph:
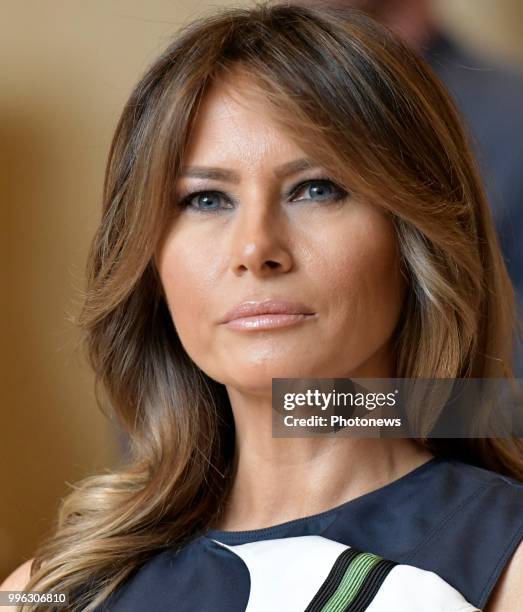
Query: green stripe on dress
[{"x": 351, "y": 582}]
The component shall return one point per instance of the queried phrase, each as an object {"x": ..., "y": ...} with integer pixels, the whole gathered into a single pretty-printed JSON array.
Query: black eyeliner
[
  {"x": 183, "y": 203},
  {"x": 340, "y": 191}
]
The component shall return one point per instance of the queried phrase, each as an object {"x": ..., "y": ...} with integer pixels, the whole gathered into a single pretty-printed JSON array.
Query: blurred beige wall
[
  {"x": 494, "y": 27},
  {"x": 67, "y": 69}
]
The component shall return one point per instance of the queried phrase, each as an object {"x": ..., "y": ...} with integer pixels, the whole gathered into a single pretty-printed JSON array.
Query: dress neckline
[{"x": 265, "y": 532}]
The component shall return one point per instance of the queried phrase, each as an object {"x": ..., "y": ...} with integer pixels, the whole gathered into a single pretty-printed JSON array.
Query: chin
[{"x": 257, "y": 379}]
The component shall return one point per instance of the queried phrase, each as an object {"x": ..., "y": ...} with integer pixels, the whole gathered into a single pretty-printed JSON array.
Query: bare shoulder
[
  {"x": 508, "y": 592},
  {"x": 17, "y": 580}
]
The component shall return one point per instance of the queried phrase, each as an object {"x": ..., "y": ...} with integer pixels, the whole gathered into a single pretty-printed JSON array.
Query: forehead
[{"x": 234, "y": 123}]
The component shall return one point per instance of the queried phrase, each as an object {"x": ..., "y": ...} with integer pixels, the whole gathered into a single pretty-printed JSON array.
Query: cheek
[
  {"x": 188, "y": 277},
  {"x": 361, "y": 273}
]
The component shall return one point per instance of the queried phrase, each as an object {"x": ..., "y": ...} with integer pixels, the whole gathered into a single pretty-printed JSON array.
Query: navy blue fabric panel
[
  {"x": 393, "y": 520},
  {"x": 459, "y": 521},
  {"x": 366, "y": 519},
  {"x": 203, "y": 577},
  {"x": 470, "y": 547}
]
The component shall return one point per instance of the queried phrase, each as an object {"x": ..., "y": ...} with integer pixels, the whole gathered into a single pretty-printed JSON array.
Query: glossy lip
[
  {"x": 287, "y": 311},
  {"x": 267, "y": 321}
]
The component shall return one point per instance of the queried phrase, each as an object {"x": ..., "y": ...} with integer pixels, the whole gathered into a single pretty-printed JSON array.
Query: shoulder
[
  {"x": 475, "y": 525},
  {"x": 501, "y": 525},
  {"x": 494, "y": 502},
  {"x": 17, "y": 580},
  {"x": 487, "y": 480},
  {"x": 508, "y": 593}
]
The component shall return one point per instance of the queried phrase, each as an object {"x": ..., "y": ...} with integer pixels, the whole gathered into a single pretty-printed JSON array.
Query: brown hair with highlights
[{"x": 372, "y": 113}]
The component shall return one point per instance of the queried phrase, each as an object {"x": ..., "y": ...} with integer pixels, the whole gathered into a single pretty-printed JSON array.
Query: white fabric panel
[{"x": 286, "y": 573}]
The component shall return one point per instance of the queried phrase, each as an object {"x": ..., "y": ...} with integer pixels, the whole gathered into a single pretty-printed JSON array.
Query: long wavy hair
[{"x": 375, "y": 116}]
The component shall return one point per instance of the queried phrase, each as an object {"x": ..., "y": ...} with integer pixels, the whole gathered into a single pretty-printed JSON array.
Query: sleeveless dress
[{"x": 436, "y": 539}]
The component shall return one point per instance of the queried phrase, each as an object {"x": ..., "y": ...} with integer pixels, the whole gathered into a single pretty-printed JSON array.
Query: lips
[{"x": 254, "y": 308}]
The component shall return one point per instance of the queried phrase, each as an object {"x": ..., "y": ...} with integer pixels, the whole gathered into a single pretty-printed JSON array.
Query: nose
[{"x": 260, "y": 242}]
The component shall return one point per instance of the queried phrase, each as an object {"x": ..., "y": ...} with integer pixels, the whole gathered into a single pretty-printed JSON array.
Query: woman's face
[{"x": 262, "y": 231}]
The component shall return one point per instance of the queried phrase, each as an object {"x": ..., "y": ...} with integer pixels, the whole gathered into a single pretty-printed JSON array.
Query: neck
[{"x": 281, "y": 479}]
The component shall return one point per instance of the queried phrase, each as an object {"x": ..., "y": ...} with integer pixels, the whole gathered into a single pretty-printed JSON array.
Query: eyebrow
[{"x": 222, "y": 174}]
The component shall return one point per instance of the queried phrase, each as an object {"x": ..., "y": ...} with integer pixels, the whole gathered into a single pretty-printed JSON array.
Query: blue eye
[
  {"x": 205, "y": 201},
  {"x": 319, "y": 190}
]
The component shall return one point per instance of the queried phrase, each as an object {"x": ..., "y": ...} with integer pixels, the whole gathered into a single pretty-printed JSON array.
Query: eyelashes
[{"x": 194, "y": 200}]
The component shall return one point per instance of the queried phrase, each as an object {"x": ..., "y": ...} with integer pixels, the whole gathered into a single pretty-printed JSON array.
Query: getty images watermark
[{"x": 398, "y": 407}]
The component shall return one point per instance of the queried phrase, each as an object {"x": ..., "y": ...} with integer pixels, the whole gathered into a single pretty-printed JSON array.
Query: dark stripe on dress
[
  {"x": 333, "y": 580},
  {"x": 371, "y": 586}
]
